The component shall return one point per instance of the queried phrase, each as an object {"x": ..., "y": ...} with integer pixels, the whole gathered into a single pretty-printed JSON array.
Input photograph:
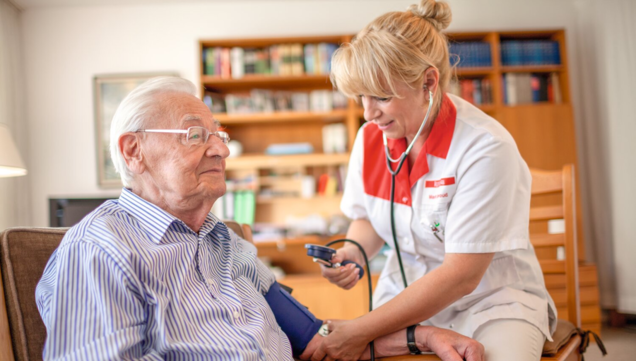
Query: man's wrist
[
  {"x": 410, "y": 340},
  {"x": 421, "y": 337}
]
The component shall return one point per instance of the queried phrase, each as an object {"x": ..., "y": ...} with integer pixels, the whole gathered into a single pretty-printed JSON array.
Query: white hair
[{"x": 134, "y": 111}]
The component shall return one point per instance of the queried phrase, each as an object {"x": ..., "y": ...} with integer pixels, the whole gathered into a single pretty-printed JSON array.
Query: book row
[
  {"x": 524, "y": 88},
  {"x": 280, "y": 59},
  {"x": 530, "y": 52},
  {"x": 267, "y": 101},
  {"x": 470, "y": 54},
  {"x": 476, "y": 91}
]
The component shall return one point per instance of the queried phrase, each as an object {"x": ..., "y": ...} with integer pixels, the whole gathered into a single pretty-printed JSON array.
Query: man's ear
[{"x": 130, "y": 148}]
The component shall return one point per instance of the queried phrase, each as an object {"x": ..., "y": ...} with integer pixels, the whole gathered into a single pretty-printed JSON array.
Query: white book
[
  {"x": 511, "y": 88},
  {"x": 237, "y": 62}
]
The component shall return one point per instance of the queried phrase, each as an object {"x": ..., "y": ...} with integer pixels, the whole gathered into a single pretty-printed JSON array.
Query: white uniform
[{"x": 471, "y": 180}]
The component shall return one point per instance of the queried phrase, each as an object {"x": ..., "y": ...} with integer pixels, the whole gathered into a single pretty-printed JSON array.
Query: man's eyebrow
[{"x": 189, "y": 118}]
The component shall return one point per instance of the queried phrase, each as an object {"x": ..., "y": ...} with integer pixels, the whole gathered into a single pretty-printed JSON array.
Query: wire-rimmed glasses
[{"x": 194, "y": 135}]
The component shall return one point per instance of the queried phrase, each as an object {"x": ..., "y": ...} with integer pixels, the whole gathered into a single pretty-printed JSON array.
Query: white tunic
[{"x": 471, "y": 180}]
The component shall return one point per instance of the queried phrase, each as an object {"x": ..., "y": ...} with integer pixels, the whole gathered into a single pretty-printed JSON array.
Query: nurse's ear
[{"x": 431, "y": 80}]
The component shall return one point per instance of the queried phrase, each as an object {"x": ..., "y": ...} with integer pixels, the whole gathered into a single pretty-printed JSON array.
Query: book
[
  {"x": 238, "y": 64},
  {"x": 289, "y": 148}
]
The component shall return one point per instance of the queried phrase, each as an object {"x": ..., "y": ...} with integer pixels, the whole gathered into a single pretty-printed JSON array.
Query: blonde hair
[{"x": 397, "y": 46}]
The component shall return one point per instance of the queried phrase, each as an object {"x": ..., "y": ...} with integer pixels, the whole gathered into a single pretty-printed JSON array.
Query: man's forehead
[{"x": 199, "y": 120}]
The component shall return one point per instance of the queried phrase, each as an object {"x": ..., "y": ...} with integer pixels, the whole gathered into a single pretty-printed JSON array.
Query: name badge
[{"x": 439, "y": 190}]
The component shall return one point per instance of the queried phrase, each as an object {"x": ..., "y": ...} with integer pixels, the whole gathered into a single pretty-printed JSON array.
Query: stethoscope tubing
[{"x": 400, "y": 163}]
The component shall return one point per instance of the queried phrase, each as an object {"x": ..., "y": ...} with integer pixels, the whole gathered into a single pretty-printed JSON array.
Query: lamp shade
[{"x": 11, "y": 164}]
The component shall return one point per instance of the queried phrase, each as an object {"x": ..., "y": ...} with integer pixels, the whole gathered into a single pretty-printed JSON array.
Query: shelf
[
  {"x": 537, "y": 105},
  {"x": 317, "y": 198},
  {"x": 532, "y": 69},
  {"x": 474, "y": 71},
  {"x": 274, "y": 161},
  {"x": 255, "y": 118},
  {"x": 266, "y": 81},
  {"x": 486, "y": 107}
]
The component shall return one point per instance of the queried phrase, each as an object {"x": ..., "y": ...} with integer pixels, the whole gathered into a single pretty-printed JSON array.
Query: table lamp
[{"x": 11, "y": 164}]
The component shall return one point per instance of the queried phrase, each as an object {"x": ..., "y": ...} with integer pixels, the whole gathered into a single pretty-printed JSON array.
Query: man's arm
[
  {"x": 300, "y": 325},
  {"x": 447, "y": 344},
  {"x": 90, "y": 307}
]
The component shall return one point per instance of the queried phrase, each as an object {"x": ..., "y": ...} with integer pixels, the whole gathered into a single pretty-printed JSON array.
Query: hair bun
[{"x": 437, "y": 13}]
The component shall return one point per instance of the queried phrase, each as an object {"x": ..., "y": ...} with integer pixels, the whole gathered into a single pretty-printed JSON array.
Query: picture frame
[{"x": 109, "y": 90}]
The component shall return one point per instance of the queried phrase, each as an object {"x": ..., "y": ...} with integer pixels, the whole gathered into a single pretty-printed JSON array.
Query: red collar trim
[
  {"x": 438, "y": 141},
  {"x": 376, "y": 178}
]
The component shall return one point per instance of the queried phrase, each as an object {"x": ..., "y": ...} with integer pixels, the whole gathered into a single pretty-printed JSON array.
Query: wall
[
  {"x": 608, "y": 51},
  {"x": 64, "y": 47},
  {"x": 14, "y": 192}
]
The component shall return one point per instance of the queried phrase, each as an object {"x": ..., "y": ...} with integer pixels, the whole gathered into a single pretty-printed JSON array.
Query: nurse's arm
[
  {"x": 458, "y": 276},
  {"x": 362, "y": 232}
]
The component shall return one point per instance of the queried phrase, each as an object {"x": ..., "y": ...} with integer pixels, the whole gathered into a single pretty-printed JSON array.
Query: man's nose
[{"x": 216, "y": 147}]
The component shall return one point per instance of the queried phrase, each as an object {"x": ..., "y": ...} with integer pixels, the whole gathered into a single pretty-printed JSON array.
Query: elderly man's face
[{"x": 181, "y": 172}]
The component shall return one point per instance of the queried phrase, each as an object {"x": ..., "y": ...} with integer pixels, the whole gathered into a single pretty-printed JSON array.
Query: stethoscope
[{"x": 400, "y": 163}]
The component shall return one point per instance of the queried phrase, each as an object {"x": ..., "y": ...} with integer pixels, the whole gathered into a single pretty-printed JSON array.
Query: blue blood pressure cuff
[{"x": 294, "y": 319}]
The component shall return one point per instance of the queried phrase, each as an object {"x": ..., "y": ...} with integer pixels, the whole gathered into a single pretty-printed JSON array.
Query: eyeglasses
[{"x": 194, "y": 135}]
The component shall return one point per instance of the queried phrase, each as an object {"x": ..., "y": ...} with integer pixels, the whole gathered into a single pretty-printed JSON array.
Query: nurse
[{"x": 461, "y": 206}]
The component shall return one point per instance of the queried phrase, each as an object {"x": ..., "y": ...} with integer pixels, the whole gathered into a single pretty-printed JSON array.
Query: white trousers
[{"x": 510, "y": 340}]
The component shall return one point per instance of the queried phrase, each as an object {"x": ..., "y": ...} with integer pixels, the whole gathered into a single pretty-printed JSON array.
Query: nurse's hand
[{"x": 345, "y": 276}]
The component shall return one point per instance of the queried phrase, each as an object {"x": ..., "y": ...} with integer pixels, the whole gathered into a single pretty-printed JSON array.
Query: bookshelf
[
  {"x": 543, "y": 128},
  {"x": 308, "y": 106},
  {"x": 491, "y": 65}
]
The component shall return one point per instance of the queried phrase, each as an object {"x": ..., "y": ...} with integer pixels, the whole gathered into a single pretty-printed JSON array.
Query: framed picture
[{"x": 109, "y": 91}]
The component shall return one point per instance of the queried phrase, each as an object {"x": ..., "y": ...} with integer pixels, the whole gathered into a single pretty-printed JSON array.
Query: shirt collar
[
  {"x": 437, "y": 144},
  {"x": 154, "y": 220},
  {"x": 439, "y": 141}
]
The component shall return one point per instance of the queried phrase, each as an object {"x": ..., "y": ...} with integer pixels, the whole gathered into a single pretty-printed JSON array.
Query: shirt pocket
[{"x": 433, "y": 217}]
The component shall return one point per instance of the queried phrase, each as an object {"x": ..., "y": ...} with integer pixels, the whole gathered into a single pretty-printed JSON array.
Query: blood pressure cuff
[{"x": 294, "y": 319}]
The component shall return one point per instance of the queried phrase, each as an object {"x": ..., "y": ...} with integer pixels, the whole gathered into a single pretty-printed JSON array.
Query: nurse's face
[{"x": 397, "y": 117}]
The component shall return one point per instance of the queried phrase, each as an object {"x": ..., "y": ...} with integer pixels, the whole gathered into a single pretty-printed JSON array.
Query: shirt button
[
  {"x": 406, "y": 240},
  {"x": 451, "y": 325},
  {"x": 237, "y": 315},
  {"x": 405, "y": 199}
]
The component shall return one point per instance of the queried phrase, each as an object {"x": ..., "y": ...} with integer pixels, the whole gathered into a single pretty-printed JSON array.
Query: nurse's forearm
[
  {"x": 455, "y": 278},
  {"x": 362, "y": 232}
]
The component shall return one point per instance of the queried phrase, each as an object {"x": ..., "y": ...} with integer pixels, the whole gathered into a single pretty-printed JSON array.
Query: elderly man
[{"x": 154, "y": 275}]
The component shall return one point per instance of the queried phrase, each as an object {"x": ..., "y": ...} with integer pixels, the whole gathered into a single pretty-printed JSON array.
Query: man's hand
[
  {"x": 312, "y": 346},
  {"x": 448, "y": 345},
  {"x": 345, "y": 342}
]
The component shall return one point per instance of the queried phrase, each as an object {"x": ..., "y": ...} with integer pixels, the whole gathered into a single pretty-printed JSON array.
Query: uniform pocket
[{"x": 433, "y": 220}]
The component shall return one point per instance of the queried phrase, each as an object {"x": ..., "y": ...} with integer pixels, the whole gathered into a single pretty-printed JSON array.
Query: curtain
[
  {"x": 14, "y": 192},
  {"x": 606, "y": 52}
]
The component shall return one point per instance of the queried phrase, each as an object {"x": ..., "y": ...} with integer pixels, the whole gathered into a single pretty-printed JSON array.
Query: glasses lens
[
  {"x": 225, "y": 138},
  {"x": 197, "y": 135}
]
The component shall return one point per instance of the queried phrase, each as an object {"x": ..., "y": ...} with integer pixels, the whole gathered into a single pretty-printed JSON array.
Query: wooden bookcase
[
  {"x": 256, "y": 131},
  {"x": 544, "y": 133}
]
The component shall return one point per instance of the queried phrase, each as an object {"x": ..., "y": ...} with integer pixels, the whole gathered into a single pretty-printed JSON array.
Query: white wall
[
  {"x": 14, "y": 192},
  {"x": 65, "y": 47}
]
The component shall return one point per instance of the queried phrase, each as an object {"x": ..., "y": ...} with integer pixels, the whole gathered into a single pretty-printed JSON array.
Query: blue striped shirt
[{"x": 131, "y": 281}]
